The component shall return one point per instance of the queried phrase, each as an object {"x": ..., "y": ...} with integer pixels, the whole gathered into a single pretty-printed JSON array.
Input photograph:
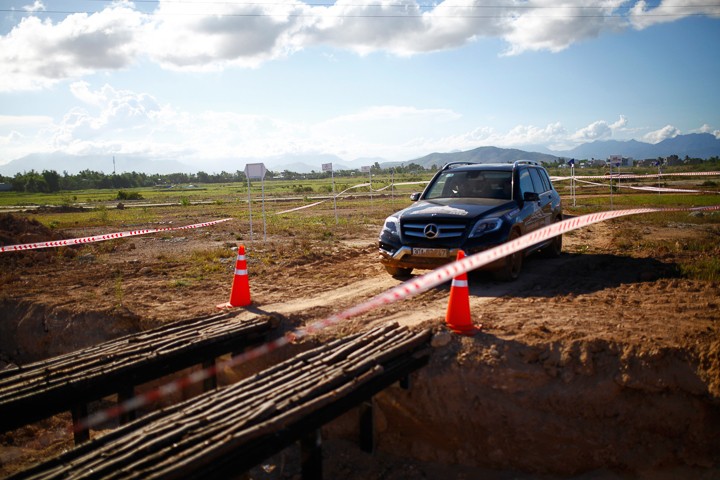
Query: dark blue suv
[{"x": 472, "y": 207}]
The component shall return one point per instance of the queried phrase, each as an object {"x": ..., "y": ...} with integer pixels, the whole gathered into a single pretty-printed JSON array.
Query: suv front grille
[{"x": 444, "y": 230}]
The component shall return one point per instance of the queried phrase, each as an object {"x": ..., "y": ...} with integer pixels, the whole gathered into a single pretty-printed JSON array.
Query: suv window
[
  {"x": 537, "y": 181},
  {"x": 545, "y": 179},
  {"x": 526, "y": 184},
  {"x": 472, "y": 184}
]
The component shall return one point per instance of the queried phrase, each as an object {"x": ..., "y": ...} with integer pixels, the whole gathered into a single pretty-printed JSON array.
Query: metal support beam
[
  {"x": 124, "y": 395},
  {"x": 367, "y": 426},
  {"x": 80, "y": 412},
  {"x": 209, "y": 383},
  {"x": 311, "y": 455}
]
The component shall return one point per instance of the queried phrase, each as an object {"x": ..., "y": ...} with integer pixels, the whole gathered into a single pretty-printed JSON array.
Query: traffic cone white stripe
[
  {"x": 240, "y": 291},
  {"x": 457, "y": 317}
]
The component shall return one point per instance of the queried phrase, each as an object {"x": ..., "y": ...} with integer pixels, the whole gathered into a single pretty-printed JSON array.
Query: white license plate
[{"x": 430, "y": 252}]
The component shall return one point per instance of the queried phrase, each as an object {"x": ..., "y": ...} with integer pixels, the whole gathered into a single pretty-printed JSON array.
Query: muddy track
[{"x": 601, "y": 362}]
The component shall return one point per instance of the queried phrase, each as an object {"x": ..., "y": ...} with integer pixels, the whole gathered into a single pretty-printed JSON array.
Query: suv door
[
  {"x": 532, "y": 210},
  {"x": 545, "y": 193}
]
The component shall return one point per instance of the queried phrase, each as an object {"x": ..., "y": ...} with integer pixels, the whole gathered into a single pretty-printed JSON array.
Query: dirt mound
[
  {"x": 15, "y": 230},
  {"x": 59, "y": 209}
]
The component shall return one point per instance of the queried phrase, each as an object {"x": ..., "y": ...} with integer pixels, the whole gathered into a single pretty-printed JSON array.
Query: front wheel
[
  {"x": 398, "y": 272},
  {"x": 513, "y": 263}
]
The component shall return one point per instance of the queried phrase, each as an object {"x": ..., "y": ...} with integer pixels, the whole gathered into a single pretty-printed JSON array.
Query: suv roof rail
[
  {"x": 525, "y": 162},
  {"x": 457, "y": 164}
]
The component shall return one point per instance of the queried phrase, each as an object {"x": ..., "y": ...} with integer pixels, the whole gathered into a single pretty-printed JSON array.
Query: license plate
[{"x": 430, "y": 252}]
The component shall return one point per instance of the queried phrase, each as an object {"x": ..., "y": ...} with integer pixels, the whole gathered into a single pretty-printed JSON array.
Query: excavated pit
[{"x": 558, "y": 409}]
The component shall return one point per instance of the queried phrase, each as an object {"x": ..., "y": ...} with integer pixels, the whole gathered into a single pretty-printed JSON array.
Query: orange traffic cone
[
  {"x": 240, "y": 292},
  {"x": 457, "y": 317}
]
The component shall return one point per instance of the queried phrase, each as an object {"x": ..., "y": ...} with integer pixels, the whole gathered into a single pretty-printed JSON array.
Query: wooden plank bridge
[
  {"x": 225, "y": 432},
  {"x": 69, "y": 382}
]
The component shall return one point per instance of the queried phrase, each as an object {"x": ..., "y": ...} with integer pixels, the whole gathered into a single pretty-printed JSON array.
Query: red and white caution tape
[
  {"x": 100, "y": 238},
  {"x": 666, "y": 190},
  {"x": 649, "y": 189},
  {"x": 401, "y": 183},
  {"x": 347, "y": 189},
  {"x": 323, "y": 201},
  {"x": 623, "y": 176},
  {"x": 404, "y": 290}
]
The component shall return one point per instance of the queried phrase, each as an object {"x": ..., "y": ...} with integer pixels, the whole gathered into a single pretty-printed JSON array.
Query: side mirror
[
  {"x": 415, "y": 196},
  {"x": 531, "y": 197}
]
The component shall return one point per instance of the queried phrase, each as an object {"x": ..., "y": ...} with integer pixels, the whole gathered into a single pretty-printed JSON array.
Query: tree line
[{"x": 50, "y": 181}]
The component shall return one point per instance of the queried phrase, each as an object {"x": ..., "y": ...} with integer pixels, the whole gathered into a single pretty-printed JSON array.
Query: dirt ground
[{"x": 603, "y": 363}]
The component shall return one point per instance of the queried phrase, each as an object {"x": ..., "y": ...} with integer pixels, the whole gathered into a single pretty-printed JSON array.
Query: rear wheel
[
  {"x": 398, "y": 272},
  {"x": 554, "y": 248},
  {"x": 513, "y": 263}
]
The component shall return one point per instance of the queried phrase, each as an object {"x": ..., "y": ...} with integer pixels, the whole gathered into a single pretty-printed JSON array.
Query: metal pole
[
  {"x": 250, "y": 208},
  {"x": 262, "y": 187},
  {"x": 392, "y": 186},
  {"x": 332, "y": 175},
  {"x": 611, "y": 186},
  {"x": 370, "y": 175}
]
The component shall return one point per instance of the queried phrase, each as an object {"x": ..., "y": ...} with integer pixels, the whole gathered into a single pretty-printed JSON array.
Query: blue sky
[{"x": 202, "y": 81}]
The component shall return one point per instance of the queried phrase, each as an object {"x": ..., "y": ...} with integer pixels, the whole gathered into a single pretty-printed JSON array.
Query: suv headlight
[
  {"x": 486, "y": 225},
  {"x": 392, "y": 226}
]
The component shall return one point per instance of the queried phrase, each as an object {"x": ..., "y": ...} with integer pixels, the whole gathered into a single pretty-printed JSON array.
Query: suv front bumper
[{"x": 403, "y": 258}]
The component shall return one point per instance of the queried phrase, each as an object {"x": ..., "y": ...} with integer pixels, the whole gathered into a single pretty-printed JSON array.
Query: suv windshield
[{"x": 472, "y": 184}]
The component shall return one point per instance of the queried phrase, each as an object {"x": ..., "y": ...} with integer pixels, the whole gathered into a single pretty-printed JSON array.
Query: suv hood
[{"x": 457, "y": 208}]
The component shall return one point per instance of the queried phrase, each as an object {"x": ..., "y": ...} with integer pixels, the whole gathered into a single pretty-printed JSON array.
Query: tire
[
  {"x": 513, "y": 263},
  {"x": 398, "y": 272},
  {"x": 554, "y": 248}
]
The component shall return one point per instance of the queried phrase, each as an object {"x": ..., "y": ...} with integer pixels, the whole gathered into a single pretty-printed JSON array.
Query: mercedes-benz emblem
[{"x": 431, "y": 230}]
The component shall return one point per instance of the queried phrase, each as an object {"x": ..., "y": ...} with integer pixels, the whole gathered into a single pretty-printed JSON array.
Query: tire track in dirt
[{"x": 427, "y": 306}]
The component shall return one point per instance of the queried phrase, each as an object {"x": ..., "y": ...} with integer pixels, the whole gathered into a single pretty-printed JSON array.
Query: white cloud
[
  {"x": 37, "y": 6},
  {"x": 668, "y": 131},
  {"x": 643, "y": 16},
  {"x": 214, "y": 35},
  {"x": 599, "y": 130},
  {"x": 37, "y": 54},
  {"x": 107, "y": 120},
  {"x": 555, "y": 25},
  {"x": 708, "y": 129},
  {"x": 206, "y": 35},
  {"x": 620, "y": 124},
  {"x": 21, "y": 135}
]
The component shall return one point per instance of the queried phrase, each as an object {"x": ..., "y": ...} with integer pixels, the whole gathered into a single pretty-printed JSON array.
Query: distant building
[
  {"x": 620, "y": 161},
  {"x": 5, "y": 187}
]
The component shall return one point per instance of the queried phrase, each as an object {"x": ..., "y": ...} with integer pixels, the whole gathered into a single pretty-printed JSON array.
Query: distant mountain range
[
  {"x": 696, "y": 145},
  {"x": 483, "y": 155}
]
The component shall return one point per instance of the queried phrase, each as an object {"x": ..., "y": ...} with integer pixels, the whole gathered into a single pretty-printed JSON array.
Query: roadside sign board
[{"x": 255, "y": 171}]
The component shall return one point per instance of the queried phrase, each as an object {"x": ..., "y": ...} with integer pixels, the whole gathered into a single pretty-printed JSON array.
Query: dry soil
[{"x": 603, "y": 363}]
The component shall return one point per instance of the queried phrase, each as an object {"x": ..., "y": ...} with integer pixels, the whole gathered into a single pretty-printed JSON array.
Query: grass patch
[
  {"x": 703, "y": 268},
  {"x": 205, "y": 262}
]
